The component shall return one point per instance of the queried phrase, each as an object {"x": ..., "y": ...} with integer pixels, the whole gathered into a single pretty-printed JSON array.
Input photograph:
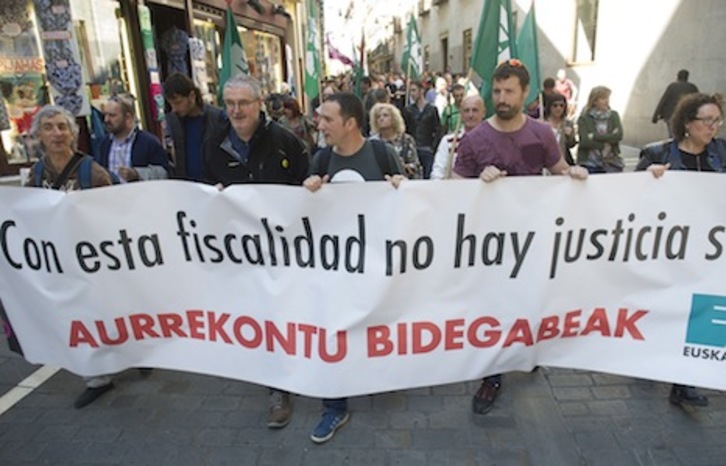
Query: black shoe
[
  {"x": 145, "y": 371},
  {"x": 687, "y": 395},
  {"x": 91, "y": 394},
  {"x": 483, "y": 400}
]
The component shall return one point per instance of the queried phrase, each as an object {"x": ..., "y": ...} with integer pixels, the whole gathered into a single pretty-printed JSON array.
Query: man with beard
[
  {"x": 509, "y": 143},
  {"x": 128, "y": 152}
]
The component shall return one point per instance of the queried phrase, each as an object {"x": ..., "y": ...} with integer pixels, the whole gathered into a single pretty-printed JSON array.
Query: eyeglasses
[
  {"x": 239, "y": 103},
  {"x": 717, "y": 122}
]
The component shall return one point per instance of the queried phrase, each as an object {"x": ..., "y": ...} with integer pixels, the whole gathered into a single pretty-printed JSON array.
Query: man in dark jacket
[
  {"x": 249, "y": 147},
  {"x": 670, "y": 98},
  {"x": 422, "y": 122},
  {"x": 189, "y": 123},
  {"x": 130, "y": 153}
]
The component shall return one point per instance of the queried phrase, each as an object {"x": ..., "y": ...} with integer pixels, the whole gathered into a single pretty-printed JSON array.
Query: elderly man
[
  {"x": 472, "y": 113},
  {"x": 61, "y": 167},
  {"x": 252, "y": 148},
  {"x": 130, "y": 153}
]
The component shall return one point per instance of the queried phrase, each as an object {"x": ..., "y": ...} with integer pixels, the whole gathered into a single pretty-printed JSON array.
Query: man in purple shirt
[{"x": 509, "y": 143}]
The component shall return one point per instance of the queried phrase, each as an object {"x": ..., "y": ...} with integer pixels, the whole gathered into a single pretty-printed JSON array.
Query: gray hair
[
  {"x": 49, "y": 111},
  {"x": 242, "y": 80}
]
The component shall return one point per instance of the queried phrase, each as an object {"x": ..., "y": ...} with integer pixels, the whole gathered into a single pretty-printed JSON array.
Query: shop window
[{"x": 23, "y": 82}]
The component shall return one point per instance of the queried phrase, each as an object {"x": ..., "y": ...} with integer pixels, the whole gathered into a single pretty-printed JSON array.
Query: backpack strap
[
  {"x": 324, "y": 156},
  {"x": 38, "y": 170},
  {"x": 381, "y": 153},
  {"x": 85, "y": 170},
  {"x": 67, "y": 170}
]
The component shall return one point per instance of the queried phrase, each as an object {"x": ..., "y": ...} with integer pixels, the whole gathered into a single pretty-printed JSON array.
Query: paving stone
[
  {"x": 97, "y": 434},
  {"x": 574, "y": 409},
  {"x": 408, "y": 420},
  {"x": 572, "y": 393},
  {"x": 435, "y": 439},
  {"x": 391, "y": 438},
  {"x": 570, "y": 380},
  {"x": 608, "y": 408},
  {"x": 216, "y": 437},
  {"x": 611, "y": 392},
  {"x": 365, "y": 457}
]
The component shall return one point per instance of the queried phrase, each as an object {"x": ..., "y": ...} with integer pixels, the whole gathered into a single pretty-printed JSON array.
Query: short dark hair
[
  {"x": 181, "y": 85},
  {"x": 381, "y": 95},
  {"x": 458, "y": 87},
  {"x": 416, "y": 83},
  {"x": 683, "y": 75},
  {"x": 548, "y": 83},
  {"x": 367, "y": 81},
  {"x": 555, "y": 97},
  {"x": 687, "y": 110},
  {"x": 512, "y": 67},
  {"x": 350, "y": 106}
]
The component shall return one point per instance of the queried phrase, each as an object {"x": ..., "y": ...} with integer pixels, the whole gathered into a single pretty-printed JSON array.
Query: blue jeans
[
  {"x": 339, "y": 405},
  {"x": 426, "y": 157}
]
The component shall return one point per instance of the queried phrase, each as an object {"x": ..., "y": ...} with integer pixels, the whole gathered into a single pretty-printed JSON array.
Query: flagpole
[
  {"x": 455, "y": 141},
  {"x": 408, "y": 83}
]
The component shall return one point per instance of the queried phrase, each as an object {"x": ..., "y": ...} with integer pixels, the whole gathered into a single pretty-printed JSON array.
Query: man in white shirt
[{"x": 472, "y": 113}]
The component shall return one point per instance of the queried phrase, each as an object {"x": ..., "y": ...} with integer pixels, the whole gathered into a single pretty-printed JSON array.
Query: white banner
[{"x": 362, "y": 288}]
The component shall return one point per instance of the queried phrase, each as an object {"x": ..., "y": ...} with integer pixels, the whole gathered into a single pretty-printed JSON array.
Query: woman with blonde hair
[
  {"x": 600, "y": 133},
  {"x": 387, "y": 125}
]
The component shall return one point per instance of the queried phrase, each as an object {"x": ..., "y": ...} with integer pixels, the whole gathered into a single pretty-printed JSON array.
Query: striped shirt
[{"x": 120, "y": 153}]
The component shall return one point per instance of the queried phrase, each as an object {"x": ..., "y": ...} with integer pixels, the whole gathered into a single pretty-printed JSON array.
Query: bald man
[{"x": 472, "y": 112}]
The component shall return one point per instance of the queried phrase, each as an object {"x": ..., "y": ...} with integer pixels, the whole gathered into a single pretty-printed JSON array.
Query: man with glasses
[
  {"x": 252, "y": 148},
  {"x": 130, "y": 153},
  {"x": 509, "y": 143}
]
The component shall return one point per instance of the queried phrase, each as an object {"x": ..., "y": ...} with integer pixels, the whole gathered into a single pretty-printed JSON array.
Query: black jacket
[
  {"x": 212, "y": 117},
  {"x": 664, "y": 152},
  {"x": 424, "y": 125},
  {"x": 277, "y": 156}
]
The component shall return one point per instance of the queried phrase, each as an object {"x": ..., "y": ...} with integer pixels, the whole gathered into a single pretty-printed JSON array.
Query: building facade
[{"x": 634, "y": 48}]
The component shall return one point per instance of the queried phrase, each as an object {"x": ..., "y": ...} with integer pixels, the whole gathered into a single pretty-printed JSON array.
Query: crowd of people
[{"x": 434, "y": 128}]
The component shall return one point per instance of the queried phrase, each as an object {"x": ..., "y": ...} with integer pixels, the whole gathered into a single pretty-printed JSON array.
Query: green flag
[
  {"x": 494, "y": 38},
  {"x": 234, "y": 60},
  {"x": 411, "y": 62},
  {"x": 312, "y": 54},
  {"x": 529, "y": 53}
]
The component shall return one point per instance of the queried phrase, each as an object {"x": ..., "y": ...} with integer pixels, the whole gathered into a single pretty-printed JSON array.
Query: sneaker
[
  {"x": 91, "y": 394},
  {"x": 483, "y": 400},
  {"x": 328, "y": 425},
  {"x": 687, "y": 395},
  {"x": 280, "y": 410}
]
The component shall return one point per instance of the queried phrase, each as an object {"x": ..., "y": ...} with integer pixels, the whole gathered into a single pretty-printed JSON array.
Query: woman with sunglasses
[
  {"x": 695, "y": 123},
  {"x": 555, "y": 113}
]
